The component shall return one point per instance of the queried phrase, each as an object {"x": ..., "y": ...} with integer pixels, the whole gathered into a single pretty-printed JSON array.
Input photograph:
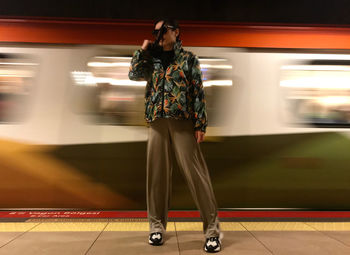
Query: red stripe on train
[{"x": 173, "y": 214}]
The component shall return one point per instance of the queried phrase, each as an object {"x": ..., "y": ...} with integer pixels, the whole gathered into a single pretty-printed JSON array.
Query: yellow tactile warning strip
[
  {"x": 330, "y": 226},
  {"x": 231, "y": 226},
  {"x": 172, "y": 226},
  {"x": 189, "y": 226},
  {"x": 277, "y": 226},
  {"x": 16, "y": 226},
  {"x": 69, "y": 226},
  {"x": 134, "y": 226},
  {"x": 198, "y": 226}
]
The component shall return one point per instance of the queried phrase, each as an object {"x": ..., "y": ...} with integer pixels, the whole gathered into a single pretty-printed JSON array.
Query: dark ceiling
[{"x": 250, "y": 11}]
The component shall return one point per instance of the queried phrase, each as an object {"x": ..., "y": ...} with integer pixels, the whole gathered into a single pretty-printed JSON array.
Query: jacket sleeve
[
  {"x": 199, "y": 102},
  {"x": 140, "y": 67}
]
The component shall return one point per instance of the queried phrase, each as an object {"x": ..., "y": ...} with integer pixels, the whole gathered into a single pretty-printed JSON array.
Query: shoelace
[
  {"x": 213, "y": 241},
  {"x": 156, "y": 235}
]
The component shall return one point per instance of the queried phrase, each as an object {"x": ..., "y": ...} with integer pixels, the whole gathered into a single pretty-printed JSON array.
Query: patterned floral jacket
[{"x": 176, "y": 92}]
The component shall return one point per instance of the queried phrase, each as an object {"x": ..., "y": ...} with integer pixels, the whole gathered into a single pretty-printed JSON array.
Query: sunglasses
[{"x": 164, "y": 29}]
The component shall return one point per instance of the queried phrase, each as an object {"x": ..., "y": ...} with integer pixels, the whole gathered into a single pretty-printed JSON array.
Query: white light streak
[
  {"x": 334, "y": 100},
  {"x": 105, "y": 64},
  {"x": 316, "y": 67},
  {"x": 18, "y": 64},
  {"x": 318, "y": 83},
  {"x": 122, "y": 58},
  {"x": 83, "y": 78},
  {"x": 212, "y": 59},
  {"x": 127, "y": 82},
  {"x": 86, "y": 78},
  {"x": 319, "y": 56},
  {"x": 217, "y": 83},
  {"x": 216, "y": 66}
]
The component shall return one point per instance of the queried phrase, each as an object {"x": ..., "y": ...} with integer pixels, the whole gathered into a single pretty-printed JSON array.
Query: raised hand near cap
[{"x": 145, "y": 44}]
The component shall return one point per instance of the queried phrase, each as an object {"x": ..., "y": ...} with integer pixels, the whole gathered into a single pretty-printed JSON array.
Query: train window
[
  {"x": 317, "y": 92},
  {"x": 106, "y": 92},
  {"x": 17, "y": 73}
]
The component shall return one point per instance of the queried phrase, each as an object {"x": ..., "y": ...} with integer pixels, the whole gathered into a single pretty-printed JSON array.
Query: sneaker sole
[
  {"x": 154, "y": 244},
  {"x": 221, "y": 236},
  {"x": 216, "y": 250}
]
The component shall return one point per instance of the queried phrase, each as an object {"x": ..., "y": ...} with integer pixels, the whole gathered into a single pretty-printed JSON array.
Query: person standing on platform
[{"x": 175, "y": 113}]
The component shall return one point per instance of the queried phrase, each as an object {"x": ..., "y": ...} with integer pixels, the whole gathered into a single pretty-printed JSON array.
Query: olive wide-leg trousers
[{"x": 164, "y": 135}]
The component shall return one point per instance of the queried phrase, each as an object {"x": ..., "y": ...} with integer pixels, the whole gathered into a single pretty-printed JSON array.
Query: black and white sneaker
[
  {"x": 212, "y": 244},
  {"x": 156, "y": 238}
]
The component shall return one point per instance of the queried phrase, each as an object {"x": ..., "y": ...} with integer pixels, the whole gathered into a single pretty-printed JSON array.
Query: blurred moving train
[{"x": 73, "y": 134}]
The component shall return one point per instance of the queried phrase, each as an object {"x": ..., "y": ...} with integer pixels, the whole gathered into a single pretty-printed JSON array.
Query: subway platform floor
[{"x": 243, "y": 235}]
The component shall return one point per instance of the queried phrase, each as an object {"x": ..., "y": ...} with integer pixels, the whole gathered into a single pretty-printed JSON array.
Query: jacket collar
[
  {"x": 178, "y": 48},
  {"x": 177, "y": 51}
]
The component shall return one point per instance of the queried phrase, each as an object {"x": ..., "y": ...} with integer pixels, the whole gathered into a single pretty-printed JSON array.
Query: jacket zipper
[
  {"x": 163, "y": 91},
  {"x": 164, "y": 87},
  {"x": 163, "y": 101}
]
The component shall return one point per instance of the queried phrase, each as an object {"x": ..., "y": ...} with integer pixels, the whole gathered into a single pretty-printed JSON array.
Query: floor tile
[
  {"x": 6, "y": 237},
  {"x": 130, "y": 243},
  {"x": 300, "y": 242},
  {"x": 240, "y": 242},
  {"x": 50, "y": 243},
  {"x": 342, "y": 236}
]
